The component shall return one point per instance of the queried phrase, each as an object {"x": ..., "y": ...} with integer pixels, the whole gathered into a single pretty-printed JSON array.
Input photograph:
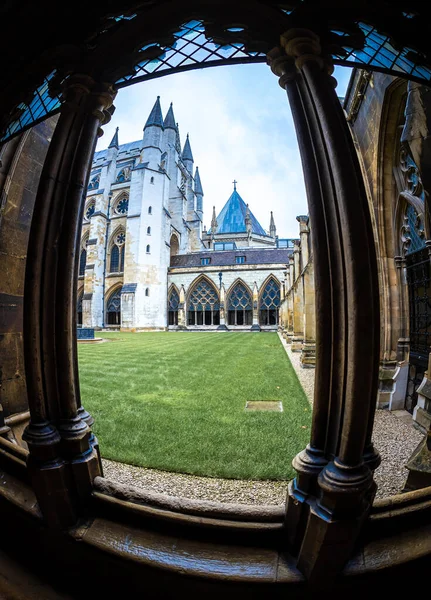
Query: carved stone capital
[{"x": 282, "y": 65}]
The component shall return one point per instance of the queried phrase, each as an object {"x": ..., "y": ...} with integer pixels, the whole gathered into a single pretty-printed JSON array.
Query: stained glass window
[
  {"x": 204, "y": 305},
  {"x": 123, "y": 175},
  {"x": 269, "y": 304},
  {"x": 173, "y": 303},
  {"x": 116, "y": 264},
  {"x": 113, "y": 308},
  {"x": 239, "y": 306},
  {"x": 82, "y": 262}
]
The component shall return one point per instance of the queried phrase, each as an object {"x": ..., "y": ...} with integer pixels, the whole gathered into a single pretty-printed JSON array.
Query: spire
[
  {"x": 155, "y": 117},
  {"x": 198, "y": 185},
  {"x": 169, "y": 122},
  {"x": 187, "y": 151},
  {"x": 214, "y": 221},
  {"x": 114, "y": 143},
  {"x": 272, "y": 229}
]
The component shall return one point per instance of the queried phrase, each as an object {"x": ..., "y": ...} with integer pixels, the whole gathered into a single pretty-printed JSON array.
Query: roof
[
  {"x": 253, "y": 256},
  {"x": 155, "y": 117},
  {"x": 187, "y": 151},
  {"x": 169, "y": 122},
  {"x": 198, "y": 185},
  {"x": 132, "y": 149},
  {"x": 232, "y": 217}
]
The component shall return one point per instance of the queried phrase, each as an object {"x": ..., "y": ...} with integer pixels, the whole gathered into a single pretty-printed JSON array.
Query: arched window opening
[
  {"x": 94, "y": 183},
  {"x": 147, "y": 291},
  {"x": 79, "y": 309},
  {"x": 174, "y": 244},
  {"x": 173, "y": 302},
  {"x": 82, "y": 262},
  {"x": 152, "y": 180},
  {"x": 269, "y": 304},
  {"x": 116, "y": 264},
  {"x": 90, "y": 210},
  {"x": 150, "y": 210},
  {"x": 122, "y": 206},
  {"x": 148, "y": 248},
  {"x": 240, "y": 306},
  {"x": 123, "y": 175},
  {"x": 204, "y": 305},
  {"x": 148, "y": 230},
  {"x": 113, "y": 308}
]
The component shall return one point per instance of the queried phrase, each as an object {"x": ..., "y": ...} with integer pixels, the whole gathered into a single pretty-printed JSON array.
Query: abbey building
[{"x": 147, "y": 261}]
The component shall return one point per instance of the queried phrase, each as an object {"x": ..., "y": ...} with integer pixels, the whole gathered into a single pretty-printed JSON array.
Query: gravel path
[{"x": 394, "y": 437}]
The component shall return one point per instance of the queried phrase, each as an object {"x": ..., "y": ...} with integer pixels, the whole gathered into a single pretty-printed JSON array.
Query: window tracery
[
  {"x": 116, "y": 264},
  {"x": 124, "y": 175},
  {"x": 204, "y": 305},
  {"x": 269, "y": 303},
  {"x": 173, "y": 303},
  {"x": 240, "y": 306},
  {"x": 94, "y": 182},
  {"x": 122, "y": 206},
  {"x": 90, "y": 210}
]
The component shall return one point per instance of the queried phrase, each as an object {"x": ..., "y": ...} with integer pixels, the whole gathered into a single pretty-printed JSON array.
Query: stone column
[
  {"x": 222, "y": 326},
  {"x": 182, "y": 323},
  {"x": 63, "y": 459},
  {"x": 298, "y": 302},
  {"x": 308, "y": 351},
  {"x": 333, "y": 491},
  {"x": 255, "y": 326}
]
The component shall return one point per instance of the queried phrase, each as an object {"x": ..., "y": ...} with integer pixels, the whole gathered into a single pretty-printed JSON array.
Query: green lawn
[{"x": 175, "y": 401}]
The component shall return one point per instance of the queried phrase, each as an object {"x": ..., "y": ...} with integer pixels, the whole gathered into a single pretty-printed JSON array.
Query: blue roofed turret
[
  {"x": 187, "y": 151},
  {"x": 169, "y": 122},
  {"x": 232, "y": 218}
]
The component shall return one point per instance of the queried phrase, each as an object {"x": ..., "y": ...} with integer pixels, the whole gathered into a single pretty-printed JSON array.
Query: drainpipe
[{"x": 104, "y": 258}]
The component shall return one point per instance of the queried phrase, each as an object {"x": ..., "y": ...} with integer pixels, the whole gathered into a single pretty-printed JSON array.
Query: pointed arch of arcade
[
  {"x": 116, "y": 250},
  {"x": 331, "y": 497},
  {"x": 239, "y": 304},
  {"x": 113, "y": 305},
  {"x": 173, "y": 304},
  {"x": 269, "y": 301},
  {"x": 203, "y": 303}
]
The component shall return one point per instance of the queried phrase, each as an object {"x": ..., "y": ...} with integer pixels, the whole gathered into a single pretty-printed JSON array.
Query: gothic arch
[
  {"x": 239, "y": 304},
  {"x": 269, "y": 300},
  {"x": 83, "y": 254},
  {"x": 116, "y": 250},
  {"x": 203, "y": 302},
  {"x": 113, "y": 305},
  {"x": 173, "y": 304},
  {"x": 121, "y": 203},
  {"x": 79, "y": 311},
  {"x": 174, "y": 243}
]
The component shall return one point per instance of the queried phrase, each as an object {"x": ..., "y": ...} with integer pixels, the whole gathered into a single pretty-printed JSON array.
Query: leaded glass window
[
  {"x": 82, "y": 262},
  {"x": 239, "y": 306},
  {"x": 122, "y": 206},
  {"x": 116, "y": 264},
  {"x": 173, "y": 302},
  {"x": 204, "y": 305},
  {"x": 94, "y": 183},
  {"x": 113, "y": 308},
  {"x": 269, "y": 304}
]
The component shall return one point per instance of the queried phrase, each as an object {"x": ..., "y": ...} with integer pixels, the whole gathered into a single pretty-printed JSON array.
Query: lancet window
[
  {"x": 240, "y": 306},
  {"x": 79, "y": 308},
  {"x": 269, "y": 303},
  {"x": 116, "y": 264},
  {"x": 173, "y": 302},
  {"x": 94, "y": 182},
  {"x": 123, "y": 175},
  {"x": 82, "y": 262},
  {"x": 204, "y": 305}
]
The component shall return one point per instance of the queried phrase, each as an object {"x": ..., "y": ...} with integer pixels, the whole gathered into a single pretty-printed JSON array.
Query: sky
[{"x": 240, "y": 128}]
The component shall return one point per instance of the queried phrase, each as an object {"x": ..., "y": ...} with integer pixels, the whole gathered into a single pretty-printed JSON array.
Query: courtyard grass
[{"x": 176, "y": 401}]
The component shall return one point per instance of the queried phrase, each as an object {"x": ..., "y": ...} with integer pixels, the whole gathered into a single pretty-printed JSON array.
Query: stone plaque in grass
[{"x": 264, "y": 405}]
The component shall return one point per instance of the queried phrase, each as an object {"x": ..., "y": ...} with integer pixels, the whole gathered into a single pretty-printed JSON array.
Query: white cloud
[{"x": 240, "y": 127}]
